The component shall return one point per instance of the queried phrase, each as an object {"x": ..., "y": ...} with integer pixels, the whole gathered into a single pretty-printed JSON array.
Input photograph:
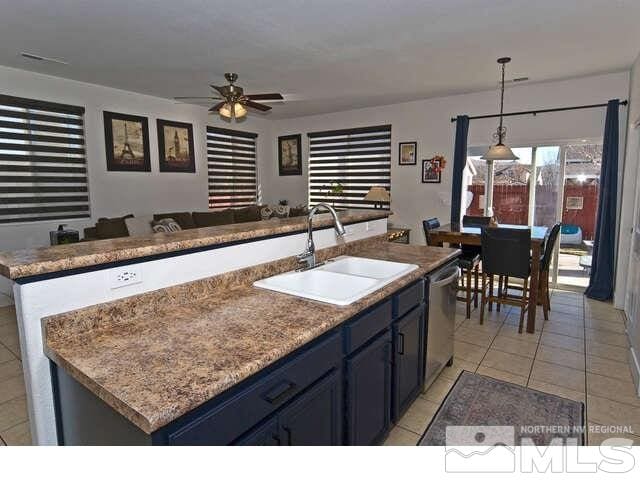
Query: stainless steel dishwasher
[{"x": 440, "y": 320}]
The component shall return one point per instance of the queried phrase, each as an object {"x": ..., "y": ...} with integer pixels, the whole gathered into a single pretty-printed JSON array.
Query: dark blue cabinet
[
  {"x": 408, "y": 360},
  {"x": 263, "y": 435},
  {"x": 368, "y": 388}
]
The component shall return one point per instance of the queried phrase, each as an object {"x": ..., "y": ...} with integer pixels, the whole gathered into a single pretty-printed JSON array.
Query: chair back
[
  {"x": 429, "y": 224},
  {"x": 506, "y": 251},
  {"x": 475, "y": 221},
  {"x": 548, "y": 249}
]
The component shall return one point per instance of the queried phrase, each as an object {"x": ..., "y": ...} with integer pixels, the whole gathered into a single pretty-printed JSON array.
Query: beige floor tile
[
  {"x": 12, "y": 368},
  {"x": 611, "y": 352},
  {"x": 570, "y": 330},
  {"x": 558, "y": 375},
  {"x": 502, "y": 375},
  {"x": 399, "y": 437},
  {"x": 453, "y": 372},
  {"x": 459, "y": 321},
  {"x": 597, "y": 434},
  {"x": 469, "y": 352},
  {"x": 12, "y": 387},
  {"x": 608, "y": 368},
  {"x": 13, "y": 412},
  {"x": 418, "y": 416},
  {"x": 571, "y": 310},
  {"x": 13, "y": 346},
  {"x": 609, "y": 412},
  {"x": 560, "y": 356},
  {"x": 511, "y": 331},
  {"x": 597, "y": 324},
  {"x": 6, "y": 354},
  {"x": 567, "y": 299},
  {"x": 7, "y": 315},
  {"x": 608, "y": 387},
  {"x": 438, "y": 390},
  {"x": 2, "y": 444},
  {"x": 518, "y": 347},
  {"x": 562, "y": 341},
  {"x": 514, "y": 319},
  {"x": 9, "y": 331},
  {"x": 603, "y": 313},
  {"x": 474, "y": 336},
  {"x": 557, "y": 390},
  {"x": 564, "y": 318},
  {"x": 18, "y": 435},
  {"x": 507, "y": 362},
  {"x": 608, "y": 338}
]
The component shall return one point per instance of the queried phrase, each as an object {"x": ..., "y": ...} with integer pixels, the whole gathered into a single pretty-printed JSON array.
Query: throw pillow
[
  {"x": 299, "y": 211},
  {"x": 165, "y": 225},
  {"x": 111, "y": 228},
  {"x": 281, "y": 211},
  {"x": 139, "y": 226},
  {"x": 184, "y": 219},
  {"x": 266, "y": 212}
]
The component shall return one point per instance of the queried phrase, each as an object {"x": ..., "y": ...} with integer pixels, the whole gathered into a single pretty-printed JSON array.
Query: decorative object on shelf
[
  {"x": 432, "y": 169},
  {"x": 234, "y": 101},
  {"x": 500, "y": 151},
  {"x": 127, "y": 142},
  {"x": 334, "y": 189},
  {"x": 407, "y": 153},
  {"x": 62, "y": 235},
  {"x": 398, "y": 234},
  {"x": 290, "y": 155},
  {"x": 378, "y": 195},
  {"x": 175, "y": 146}
]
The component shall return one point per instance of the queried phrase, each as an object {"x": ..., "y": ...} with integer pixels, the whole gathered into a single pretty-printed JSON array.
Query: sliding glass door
[{"x": 549, "y": 183}]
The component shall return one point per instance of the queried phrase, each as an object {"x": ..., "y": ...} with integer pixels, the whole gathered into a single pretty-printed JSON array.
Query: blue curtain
[
  {"x": 459, "y": 162},
  {"x": 602, "y": 264}
]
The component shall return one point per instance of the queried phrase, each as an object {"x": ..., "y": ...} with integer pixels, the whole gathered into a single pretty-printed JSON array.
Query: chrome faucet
[{"x": 307, "y": 259}]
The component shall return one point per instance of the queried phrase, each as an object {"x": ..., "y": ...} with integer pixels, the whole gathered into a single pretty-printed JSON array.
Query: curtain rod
[{"x": 547, "y": 110}]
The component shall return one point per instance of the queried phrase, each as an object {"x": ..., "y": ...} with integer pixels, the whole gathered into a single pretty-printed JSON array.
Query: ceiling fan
[{"x": 233, "y": 99}]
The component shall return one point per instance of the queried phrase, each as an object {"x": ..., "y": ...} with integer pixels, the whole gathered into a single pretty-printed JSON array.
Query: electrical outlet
[{"x": 125, "y": 276}]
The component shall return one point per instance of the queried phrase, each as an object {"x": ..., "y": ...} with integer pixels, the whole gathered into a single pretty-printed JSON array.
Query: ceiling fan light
[
  {"x": 499, "y": 152},
  {"x": 239, "y": 110},
  {"x": 225, "y": 110}
]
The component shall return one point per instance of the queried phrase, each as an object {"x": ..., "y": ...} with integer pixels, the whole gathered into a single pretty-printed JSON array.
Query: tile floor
[{"x": 580, "y": 353}]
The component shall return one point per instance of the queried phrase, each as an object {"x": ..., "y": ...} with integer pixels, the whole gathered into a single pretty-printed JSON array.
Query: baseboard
[{"x": 635, "y": 368}]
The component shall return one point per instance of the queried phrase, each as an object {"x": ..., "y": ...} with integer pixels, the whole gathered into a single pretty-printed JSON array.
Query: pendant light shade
[
  {"x": 500, "y": 151},
  {"x": 238, "y": 110}
]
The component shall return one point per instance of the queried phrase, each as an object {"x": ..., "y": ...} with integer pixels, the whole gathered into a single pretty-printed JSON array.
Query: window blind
[
  {"x": 355, "y": 159},
  {"x": 231, "y": 158},
  {"x": 43, "y": 171}
]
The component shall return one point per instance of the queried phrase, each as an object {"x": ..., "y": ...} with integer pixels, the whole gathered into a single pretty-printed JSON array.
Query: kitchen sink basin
[{"x": 340, "y": 282}]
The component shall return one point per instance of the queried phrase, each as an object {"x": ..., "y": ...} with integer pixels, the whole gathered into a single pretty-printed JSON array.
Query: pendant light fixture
[{"x": 500, "y": 151}]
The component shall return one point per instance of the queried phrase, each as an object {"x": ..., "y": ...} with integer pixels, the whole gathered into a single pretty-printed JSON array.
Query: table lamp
[{"x": 378, "y": 195}]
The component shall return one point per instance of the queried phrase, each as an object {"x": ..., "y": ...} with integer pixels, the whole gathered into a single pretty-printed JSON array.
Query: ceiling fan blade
[
  {"x": 220, "y": 90},
  {"x": 216, "y": 107},
  {"x": 196, "y": 98},
  {"x": 265, "y": 96},
  {"x": 257, "y": 106}
]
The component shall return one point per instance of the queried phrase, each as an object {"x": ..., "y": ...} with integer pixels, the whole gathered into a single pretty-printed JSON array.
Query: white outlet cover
[{"x": 125, "y": 276}]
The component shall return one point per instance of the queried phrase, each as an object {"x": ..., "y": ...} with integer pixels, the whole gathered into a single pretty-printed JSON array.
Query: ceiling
[{"x": 324, "y": 55}]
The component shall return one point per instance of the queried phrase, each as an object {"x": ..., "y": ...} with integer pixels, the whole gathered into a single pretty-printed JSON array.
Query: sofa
[{"x": 133, "y": 226}]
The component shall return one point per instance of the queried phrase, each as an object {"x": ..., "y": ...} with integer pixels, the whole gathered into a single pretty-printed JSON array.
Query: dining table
[{"x": 456, "y": 234}]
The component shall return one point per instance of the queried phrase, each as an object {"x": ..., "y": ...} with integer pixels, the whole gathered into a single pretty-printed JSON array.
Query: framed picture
[
  {"x": 408, "y": 153},
  {"x": 127, "y": 142},
  {"x": 290, "y": 155},
  {"x": 175, "y": 146},
  {"x": 431, "y": 171}
]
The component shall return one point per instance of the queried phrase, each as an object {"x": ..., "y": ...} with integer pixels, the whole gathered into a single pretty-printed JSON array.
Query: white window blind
[
  {"x": 231, "y": 158},
  {"x": 353, "y": 160},
  {"x": 43, "y": 171}
]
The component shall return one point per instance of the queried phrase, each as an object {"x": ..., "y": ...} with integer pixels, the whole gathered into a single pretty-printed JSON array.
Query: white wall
[
  {"x": 428, "y": 123},
  {"x": 119, "y": 193}
]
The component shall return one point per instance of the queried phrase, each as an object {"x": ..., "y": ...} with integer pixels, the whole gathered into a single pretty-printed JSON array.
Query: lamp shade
[
  {"x": 238, "y": 110},
  {"x": 499, "y": 152},
  {"x": 377, "y": 194}
]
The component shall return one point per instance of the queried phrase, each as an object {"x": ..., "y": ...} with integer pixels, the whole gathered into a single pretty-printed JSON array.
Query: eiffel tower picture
[
  {"x": 127, "y": 151},
  {"x": 127, "y": 142}
]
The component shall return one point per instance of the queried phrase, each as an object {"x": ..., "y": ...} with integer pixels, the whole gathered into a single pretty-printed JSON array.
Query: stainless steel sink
[{"x": 339, "y": 282}]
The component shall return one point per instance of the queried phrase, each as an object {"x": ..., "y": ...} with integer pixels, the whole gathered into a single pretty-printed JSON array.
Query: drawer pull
[
  {"x": 401, "y": 343},
  {"x": 280, "y": 393}
]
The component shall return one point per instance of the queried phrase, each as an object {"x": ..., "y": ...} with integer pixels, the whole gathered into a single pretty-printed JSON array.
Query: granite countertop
[
  {"x": 38, "y": 261},
  {"x": 156, "y": 367}
]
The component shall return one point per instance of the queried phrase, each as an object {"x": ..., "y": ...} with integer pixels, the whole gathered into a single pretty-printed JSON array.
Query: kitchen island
[{"x": 191, "y": 355}]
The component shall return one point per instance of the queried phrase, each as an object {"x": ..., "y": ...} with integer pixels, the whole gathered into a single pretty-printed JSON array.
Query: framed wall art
[
  {"x": 431, "y": 171},
  {"x": 126, "y": 142},
  {"x": 407, "y": 153},
  {"x": 175, "y": 146},
  {"x": 290, "y": 155}
]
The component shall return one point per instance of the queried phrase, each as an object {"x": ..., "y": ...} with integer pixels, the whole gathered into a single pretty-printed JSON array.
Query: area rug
[{"x": 486, "y": 411}]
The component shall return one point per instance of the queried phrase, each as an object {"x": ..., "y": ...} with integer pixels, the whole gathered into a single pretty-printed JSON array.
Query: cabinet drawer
[
  {"x": 364, "y": 328},
  {"x": 226, "y": 422},
  {"x": 408, "y": 298}
]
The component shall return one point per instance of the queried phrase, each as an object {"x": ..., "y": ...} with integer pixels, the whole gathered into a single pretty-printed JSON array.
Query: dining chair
[
  {"x": 468, "y": 262},
  {"x": 545, "y": 263},
  {"x": 506, "y": 252},
  {"x": 478, "y": 222}
]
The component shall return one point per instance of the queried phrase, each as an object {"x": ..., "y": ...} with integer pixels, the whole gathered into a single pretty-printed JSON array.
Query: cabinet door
[
  {"x": 315, "y": 418},
  {"x": 264, "y": 435},
  {"x": 369, "y": 392},
  {"x": 408, "y": 376}
]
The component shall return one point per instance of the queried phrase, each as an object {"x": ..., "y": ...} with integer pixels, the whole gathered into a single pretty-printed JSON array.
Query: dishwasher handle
[{"x": 452, "y": 275}]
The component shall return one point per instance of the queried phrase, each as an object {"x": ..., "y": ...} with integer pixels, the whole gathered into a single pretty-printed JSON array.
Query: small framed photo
[
  {"x": 175, "y": 146},
  {"x": 407, "y": 153},
  {"x": 431, "y": 172},
  {"x": 127, "y": 142},
  {"x": 290, "y": 155}
]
